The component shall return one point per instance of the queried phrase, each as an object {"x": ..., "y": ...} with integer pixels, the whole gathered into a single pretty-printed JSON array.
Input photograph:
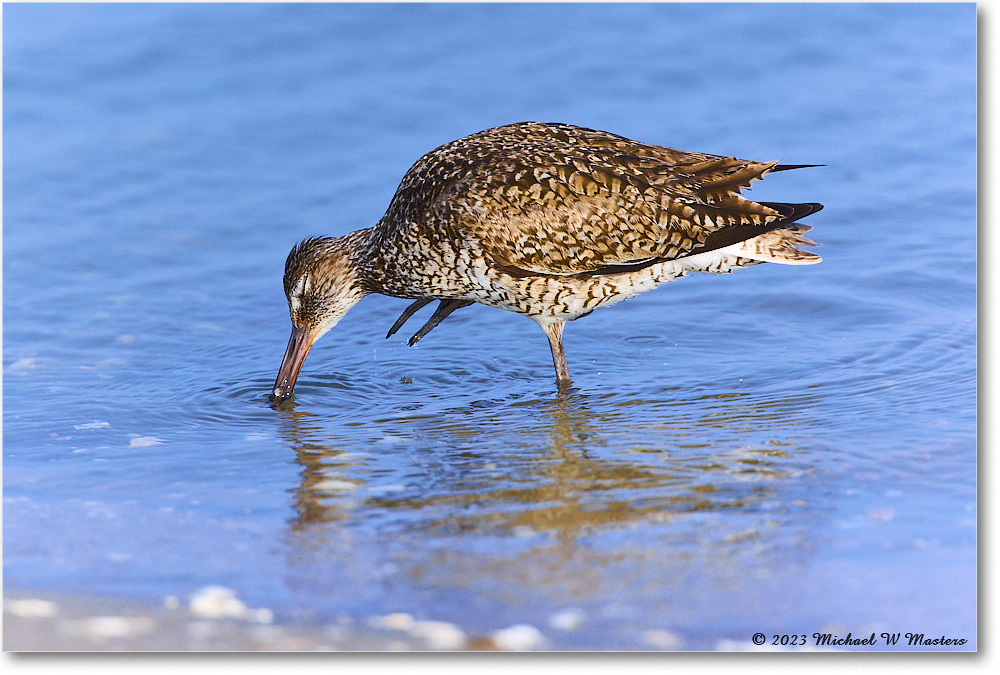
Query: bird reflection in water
[{"x": 570, "y": 464}]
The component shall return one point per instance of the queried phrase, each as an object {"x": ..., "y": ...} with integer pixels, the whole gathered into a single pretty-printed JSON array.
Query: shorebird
[{"x": 550, "y": 221}]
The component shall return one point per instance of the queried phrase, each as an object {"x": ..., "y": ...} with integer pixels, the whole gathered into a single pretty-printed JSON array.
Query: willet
[{"x": 550, "y": 221}]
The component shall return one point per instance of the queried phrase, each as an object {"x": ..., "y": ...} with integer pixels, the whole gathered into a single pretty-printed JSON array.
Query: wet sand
[{"x": 216, "y": 620}]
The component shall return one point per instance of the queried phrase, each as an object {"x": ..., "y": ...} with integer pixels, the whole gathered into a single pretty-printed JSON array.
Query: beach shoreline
[{"x": 47, "y": 621}]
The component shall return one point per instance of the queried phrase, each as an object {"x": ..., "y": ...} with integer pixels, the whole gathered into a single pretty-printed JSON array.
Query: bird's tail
[{"x": 781, "y": 246}]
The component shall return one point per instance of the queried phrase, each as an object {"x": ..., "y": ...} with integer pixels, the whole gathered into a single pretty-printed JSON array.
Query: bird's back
[{"x": 555, "y": 199}]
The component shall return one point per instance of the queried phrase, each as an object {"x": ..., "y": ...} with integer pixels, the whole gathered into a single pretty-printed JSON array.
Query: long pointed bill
[{"x": 298, "y": 346}]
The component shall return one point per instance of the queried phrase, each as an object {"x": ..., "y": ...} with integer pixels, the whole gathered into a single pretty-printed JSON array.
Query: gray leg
[
  {"x": 554, "y": 332},
  {"x": 444, "y": 309},
  {"x": 407, "y": 313}
]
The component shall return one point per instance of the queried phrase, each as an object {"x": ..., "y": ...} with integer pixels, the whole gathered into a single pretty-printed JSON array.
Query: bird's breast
[{"x": 431, "y": 263}]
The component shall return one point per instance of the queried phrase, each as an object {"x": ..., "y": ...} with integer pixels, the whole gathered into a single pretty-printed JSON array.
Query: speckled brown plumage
[{"x": 550, "y": 221}]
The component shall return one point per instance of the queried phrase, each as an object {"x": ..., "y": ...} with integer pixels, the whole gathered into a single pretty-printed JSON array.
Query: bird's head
[{"x": 321, "y": 284}]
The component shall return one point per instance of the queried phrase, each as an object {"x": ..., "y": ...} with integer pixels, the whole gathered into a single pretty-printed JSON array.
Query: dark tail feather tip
[{"x": 789, "y": 167}]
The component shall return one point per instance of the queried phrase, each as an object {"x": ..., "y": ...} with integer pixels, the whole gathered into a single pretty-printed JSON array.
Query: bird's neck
[{"x": 374, "y": 258}]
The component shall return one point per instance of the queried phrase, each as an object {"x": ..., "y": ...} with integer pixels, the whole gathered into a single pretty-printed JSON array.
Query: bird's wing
[{"x": 557, "y": 199}]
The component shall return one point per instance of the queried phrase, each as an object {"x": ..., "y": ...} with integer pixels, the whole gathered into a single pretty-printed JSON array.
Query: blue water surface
[{"x": 784, "y": 450}]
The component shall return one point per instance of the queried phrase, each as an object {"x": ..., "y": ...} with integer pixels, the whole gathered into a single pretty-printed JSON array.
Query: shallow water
[{"x": 784, "y": 450}]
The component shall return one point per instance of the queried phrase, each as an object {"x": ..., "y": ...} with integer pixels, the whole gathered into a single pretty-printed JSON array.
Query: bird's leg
[
  {"x": 554, "y": 332},
  {"x": 407, "y": 313},
  {"x": 444, "y": 309}
]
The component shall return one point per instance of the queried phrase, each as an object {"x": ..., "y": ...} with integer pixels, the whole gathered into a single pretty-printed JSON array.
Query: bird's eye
[{"x": 299, "y": 293}]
